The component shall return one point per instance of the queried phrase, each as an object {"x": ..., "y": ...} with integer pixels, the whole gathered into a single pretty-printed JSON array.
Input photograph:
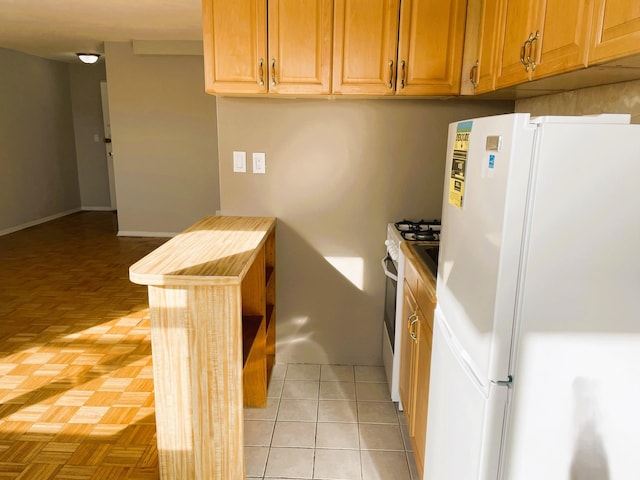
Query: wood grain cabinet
[
  {"x": 415, "y": 357},
  {"x": 542, "y": 38},
  {"x": 482, "y": 46},
  {"x": 252, "y": 48},
  {"x": 616, "y": 30},
  {"x": 511, "y": 42},
  {"x": 398, "y": 47}
]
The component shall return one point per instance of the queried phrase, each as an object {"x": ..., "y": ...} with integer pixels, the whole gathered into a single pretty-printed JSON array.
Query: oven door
[{"x": 391, "y": 289}]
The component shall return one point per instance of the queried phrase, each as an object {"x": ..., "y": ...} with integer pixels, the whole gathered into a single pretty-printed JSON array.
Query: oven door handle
[{"x": 386, "y": 270}]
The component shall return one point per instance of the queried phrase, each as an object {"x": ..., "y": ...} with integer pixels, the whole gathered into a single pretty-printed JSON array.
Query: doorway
[{"x": 107, "y": 143}]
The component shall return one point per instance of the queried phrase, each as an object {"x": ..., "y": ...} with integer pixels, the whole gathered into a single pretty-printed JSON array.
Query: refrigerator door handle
[{"x": 504, "y": 383}]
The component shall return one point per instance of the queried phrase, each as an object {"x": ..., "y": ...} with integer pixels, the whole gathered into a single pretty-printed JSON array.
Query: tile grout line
[{"x": 359, "y": 421}]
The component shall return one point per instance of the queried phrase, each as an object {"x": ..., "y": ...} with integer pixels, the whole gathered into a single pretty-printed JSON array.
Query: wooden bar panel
[
  {"x": 208, "y": 291},
  {"x": 197, "y": 372}
]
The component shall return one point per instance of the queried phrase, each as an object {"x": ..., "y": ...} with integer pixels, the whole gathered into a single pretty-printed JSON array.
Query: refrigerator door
[
  {"x": 575, "y": 410},
  {"x": 463, "y": 443},
  {"x": 481, "y": 236}
]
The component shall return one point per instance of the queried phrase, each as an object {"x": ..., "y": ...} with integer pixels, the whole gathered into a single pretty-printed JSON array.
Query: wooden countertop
[
  {"x": 427, "y": 277},
  {"x": 217, "y": 250}
]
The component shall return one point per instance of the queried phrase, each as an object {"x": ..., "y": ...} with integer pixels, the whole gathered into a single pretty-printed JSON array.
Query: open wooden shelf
[
  {"x": 258, "y": 325},
  {"x": 251, "y": 331}
]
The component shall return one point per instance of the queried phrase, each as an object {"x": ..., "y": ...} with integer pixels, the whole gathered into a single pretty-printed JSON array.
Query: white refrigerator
[{"x": 536, "y": 346}]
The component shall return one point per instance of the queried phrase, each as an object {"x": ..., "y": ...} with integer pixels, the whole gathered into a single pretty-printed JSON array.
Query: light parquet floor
[{"x": 76, "y": 381}]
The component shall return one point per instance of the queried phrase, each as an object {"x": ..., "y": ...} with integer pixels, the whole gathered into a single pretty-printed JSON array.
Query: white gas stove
[{"x": 393, "y": 266}]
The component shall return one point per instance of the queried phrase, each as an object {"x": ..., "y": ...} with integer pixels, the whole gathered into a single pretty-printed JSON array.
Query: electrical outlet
[
  {"x": 259, "y": 163},
  {"x": 240, "y": 162}
]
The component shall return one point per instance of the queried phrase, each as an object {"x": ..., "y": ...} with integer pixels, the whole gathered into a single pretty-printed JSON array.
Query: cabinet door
[
  {"x": 489, "y": 47},
  {"x": 365, "y": 46},
  {"x": 521, "y": 20},
  {"x": 300, "y": 40},
  {"x": 430, "y": 47},
  {"x": 616, "y": 30},
  {"x": 481, "y": 48},
  {"x": 235, "y": 46},
  {"x": 563, "y": 41},
  {"x": 421, "y": 397},
  {"x": 407, "y": 352}
]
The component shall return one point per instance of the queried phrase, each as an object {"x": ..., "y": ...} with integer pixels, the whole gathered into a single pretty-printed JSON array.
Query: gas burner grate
[
  {"x": 422, "y": 230},
  {"x": 421, "y": 236}
]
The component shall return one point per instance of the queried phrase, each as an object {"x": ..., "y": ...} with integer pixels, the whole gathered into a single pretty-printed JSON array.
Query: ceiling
[{"x": 57, "y": 29}]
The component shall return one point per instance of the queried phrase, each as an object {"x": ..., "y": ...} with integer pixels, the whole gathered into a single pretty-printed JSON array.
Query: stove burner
[
  {"x": 409, "y": 229},
  {"x": 421, "y": 236},
  {"x": 405, "y": 225}
]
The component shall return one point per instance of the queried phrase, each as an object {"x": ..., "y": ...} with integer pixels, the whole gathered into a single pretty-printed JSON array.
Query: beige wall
[
  {"x": 38, "y": 174},
  {"x": 91, "y": 156},
  {"x": 337, "y": 173},
  {"x": 617, "y": 98},
  {"x": 163, "y": 128}
]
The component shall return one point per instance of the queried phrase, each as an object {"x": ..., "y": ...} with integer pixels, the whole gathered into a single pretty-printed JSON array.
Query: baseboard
[
  {"x": 125, "y": 233},
  {"x": 37, "y": 222},
  {"x": 98, "y": 209}
]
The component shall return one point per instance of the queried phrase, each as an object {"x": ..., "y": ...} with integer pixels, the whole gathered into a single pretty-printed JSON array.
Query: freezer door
[
  {"x": 482, "y": 235},
  {"x": 465, "y": 419}
]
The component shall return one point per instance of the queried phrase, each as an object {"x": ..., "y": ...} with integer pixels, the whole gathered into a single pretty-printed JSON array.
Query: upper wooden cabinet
[
  {"x": 430, "y": 47},
  {"x": 616, "y": 30},
  {"x": 564, "y": 41},
  {"x": 292, "y": 55},
  {"x": 483, "y": 46},
  {"x": 300, "y": 39},
  {"x": 521, "y": 22},
  {"x": 365, "y": 46},
  {"x": 542, "y": 38},
  {"x": 235, "y": 46},
  {"x": 510, "y": 42},
  {"x": 393, "y": 47}
]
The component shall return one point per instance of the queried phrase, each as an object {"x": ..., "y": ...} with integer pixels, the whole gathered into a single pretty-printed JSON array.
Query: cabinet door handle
[
  {"x": 412, "y": 333},
  {"x": 403, "y": 66},
  {"x": 473, "y": 73},
  {"x": 532, "y": 38},
  {"x": 523, "y": 52},
  {"x": 273, "y": 72},
  {"x": 390, "y": 84},
  {"x": 261, "y": 72},
  {"x": 410, "y": 319}
]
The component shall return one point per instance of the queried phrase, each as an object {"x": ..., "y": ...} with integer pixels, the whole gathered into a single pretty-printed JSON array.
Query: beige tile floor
[{"x": 332, "y": 422}]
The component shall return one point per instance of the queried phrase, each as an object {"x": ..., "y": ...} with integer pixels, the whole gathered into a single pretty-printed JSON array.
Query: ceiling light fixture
[{"x": 88, "y": 57}]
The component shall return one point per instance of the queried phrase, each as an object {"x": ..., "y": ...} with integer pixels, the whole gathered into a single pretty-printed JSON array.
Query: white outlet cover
[
  {"x": 259, "y": 162},
  {"x": 240, "y": 162}
]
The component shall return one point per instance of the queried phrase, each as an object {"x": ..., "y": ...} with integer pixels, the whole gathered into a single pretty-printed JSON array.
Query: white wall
[
  {"x": 164, "y": 140},
  {"x": 337, "y": 173},
  {"x": 38, "y": 178},
  {"x": 86, "y": 104}
]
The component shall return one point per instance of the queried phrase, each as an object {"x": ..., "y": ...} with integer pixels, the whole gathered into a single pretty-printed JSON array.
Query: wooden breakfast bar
[{"x": 212, "y": 305}]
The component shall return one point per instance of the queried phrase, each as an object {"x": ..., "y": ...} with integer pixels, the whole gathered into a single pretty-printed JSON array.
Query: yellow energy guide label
[{"x": 459, "y": 163}]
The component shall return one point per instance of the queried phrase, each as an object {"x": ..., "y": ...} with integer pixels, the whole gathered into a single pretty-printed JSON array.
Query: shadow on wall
[
  {"x": 589, "y": 457},
  {"x": 342, "y": 329}
]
